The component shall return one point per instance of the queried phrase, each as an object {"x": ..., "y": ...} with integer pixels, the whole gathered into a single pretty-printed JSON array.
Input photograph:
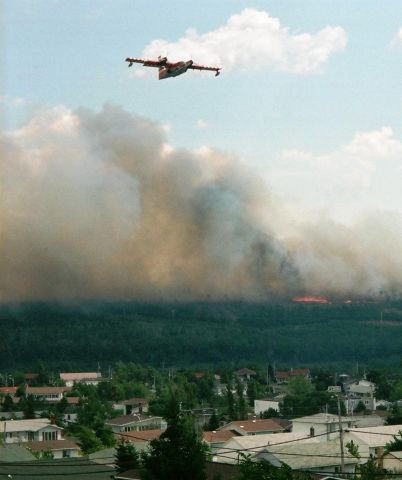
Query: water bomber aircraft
[{"x": 169, "y": 69}]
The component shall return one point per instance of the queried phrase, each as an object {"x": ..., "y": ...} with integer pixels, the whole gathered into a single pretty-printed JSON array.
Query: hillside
[{"x": 197, "y": 334}]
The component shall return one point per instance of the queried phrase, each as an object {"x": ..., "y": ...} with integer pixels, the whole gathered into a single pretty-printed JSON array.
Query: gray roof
[
  {"x": 302, "y": 456},
  {"x": 14, "y": 453},
  {"x": 129, "y": 419},
  {"x": 67, "y": 469}
]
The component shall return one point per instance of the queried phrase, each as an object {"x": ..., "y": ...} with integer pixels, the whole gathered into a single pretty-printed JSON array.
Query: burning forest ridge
[{"x": 99, "y": 205}]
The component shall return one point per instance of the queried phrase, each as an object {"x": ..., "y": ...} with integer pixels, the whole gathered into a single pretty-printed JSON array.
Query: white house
[
  {"x": 47, "y": 394},
  {"x": 140, "y": 439},
  {"x": 360, "y": 387},
  {"x": 372, "y": 440},
  {"x": 254, "y": 427},
  {"x": 22, "y": 431},
  {"x": 58, "y": 448},
  {"x": 88, "y": 378},
  {"x": 231, "y": 451},
  {"x": 352, "y": 401},
  {"x": 132, "y": 405},
  {"x": 322, "y": 457},
  {"x": 392, "y": 461},
  {"x": 261, "y": 406},
  {"x": 322, "y": 424},
  {"x": 135, "y": 422}
]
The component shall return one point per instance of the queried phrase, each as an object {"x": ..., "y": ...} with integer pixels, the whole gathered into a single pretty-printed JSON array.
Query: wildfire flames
[{"x": 310, "y": 299}]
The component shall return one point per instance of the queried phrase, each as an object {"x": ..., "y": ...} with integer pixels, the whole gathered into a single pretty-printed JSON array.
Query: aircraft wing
[
  {"x": 143, "y": 61},
  {"x": 203, "y": 67}
]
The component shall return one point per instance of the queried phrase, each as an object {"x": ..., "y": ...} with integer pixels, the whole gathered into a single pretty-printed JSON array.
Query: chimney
[{"x": 379, "y": 453}]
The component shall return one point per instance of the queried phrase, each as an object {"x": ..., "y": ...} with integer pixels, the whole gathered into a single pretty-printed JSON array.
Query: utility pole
[{"x": 341, "y": 435}]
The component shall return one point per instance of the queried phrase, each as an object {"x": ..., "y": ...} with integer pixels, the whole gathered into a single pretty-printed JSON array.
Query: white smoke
[{"x": 99, "y": 205}]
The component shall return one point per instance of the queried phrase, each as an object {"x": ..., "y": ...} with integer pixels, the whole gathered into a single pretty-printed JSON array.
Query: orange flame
[{"x": 310, "y": 299}]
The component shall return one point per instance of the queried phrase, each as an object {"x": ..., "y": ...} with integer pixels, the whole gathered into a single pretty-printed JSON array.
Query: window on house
[
  {"x": 312, "y": 432},
  {"x": 49, "y": 436},
  {"x": 66, "y": 453},
  {"x": 31, "y": 436}
]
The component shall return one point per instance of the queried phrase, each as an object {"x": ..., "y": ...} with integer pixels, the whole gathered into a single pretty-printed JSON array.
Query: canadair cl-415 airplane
[{"x": 168, "y": 69}]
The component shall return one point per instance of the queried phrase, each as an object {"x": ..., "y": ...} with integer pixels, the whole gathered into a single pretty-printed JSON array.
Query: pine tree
[
  {"x": 126, "y": 457},
  {"x": 178, "y": 453}
]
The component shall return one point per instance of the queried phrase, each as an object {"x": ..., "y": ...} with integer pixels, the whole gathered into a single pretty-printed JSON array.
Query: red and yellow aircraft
[{"x": 168, "y": 69}]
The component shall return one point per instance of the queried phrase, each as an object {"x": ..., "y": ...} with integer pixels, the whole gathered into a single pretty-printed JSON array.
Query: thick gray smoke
[{"x": 98, "y": 205}]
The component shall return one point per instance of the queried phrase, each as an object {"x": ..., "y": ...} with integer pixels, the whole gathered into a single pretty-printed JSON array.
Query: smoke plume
[{"x": 98, "y": 205}]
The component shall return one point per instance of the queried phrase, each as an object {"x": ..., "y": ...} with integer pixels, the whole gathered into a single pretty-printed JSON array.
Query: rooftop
[
  {"x": 142, "y": 435},
  {"x": 127, "y": 419}
]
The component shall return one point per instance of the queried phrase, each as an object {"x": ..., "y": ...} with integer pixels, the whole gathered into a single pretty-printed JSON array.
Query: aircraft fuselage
[{"x": 174, "y": 69}]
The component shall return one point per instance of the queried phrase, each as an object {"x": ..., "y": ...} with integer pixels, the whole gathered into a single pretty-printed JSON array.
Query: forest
[{"x": 200, "y": 334}]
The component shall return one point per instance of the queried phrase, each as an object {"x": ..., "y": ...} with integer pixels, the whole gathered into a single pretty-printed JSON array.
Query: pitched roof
[
  {"x": 46, "y": 390},
  {"x": 322, "y": 418},
  {"x": 135, "y": 401},
  {"x": 212, "y": 470},
  {"x": 292, "y": 373},
  {"x": 301, "y": 456},
  {"x": 11, "y": 452},
  {"x": 375, "y": 436},
  {"x": 32, "y": 425},
  {"x": 231, "y": 448},
  {"x": 38, "y": 446},
  {"x": 79, "y": 376},
  {"x": 127, "y": 419},
  {"x": 8, "y": 390},
  {"x": 142, "y": 435},
  {"x": 218, "y": 436},
  {"x": 257, "y": 425},
  {"x": 73, "y": 400},
  {"x": 66, "y": 469},
  {"x": 245, "y": 371}
]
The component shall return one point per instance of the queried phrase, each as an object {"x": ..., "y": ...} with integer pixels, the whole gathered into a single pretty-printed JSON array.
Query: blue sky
[
  {"x": 309, "y": 101},
  {"x": 71, "y": 53}
]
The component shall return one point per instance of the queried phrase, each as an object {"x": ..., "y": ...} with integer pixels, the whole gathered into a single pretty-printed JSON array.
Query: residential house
[
  {"x": 324, "y": 457},
  {"x": 219, "y": 387},
  {"x": 359, "y": 391},
  {"x": 213, "y": 470},
  {"x": 30, "y": 378},
  {"x": 217, "y": 438},
  {"x": 371, "y": 440},
  {"x": 202, "y": 416},
  {"x": 132, "y": 405},
  {"x": 14, "y": 453},
  {"x": 70, "y": 415},
  {"x": 392, "y": 461},
  {"x": 8, "y": 391},
  {"x": 231, "y": 450},
  {"x": 88, "y": 378},
  {"x": 22, "y": 431},
  {"x": 140, "y": 439},
  {"x": 245, "y": 373},
  {"x": 263, "y": 405},
  {"x": 66, "y": 469},
  {"x": 283, "y": 376},
  {"x": 254, "y": 427},
  {"x": 58, "y": 448},
  {"x": 352, "y": 402},
  {"x": 372, "y": 420},
  {"x": 136, "y": 422},
  {"x": 47, "y": 394},
  {"x": 320, "y": 424}
]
